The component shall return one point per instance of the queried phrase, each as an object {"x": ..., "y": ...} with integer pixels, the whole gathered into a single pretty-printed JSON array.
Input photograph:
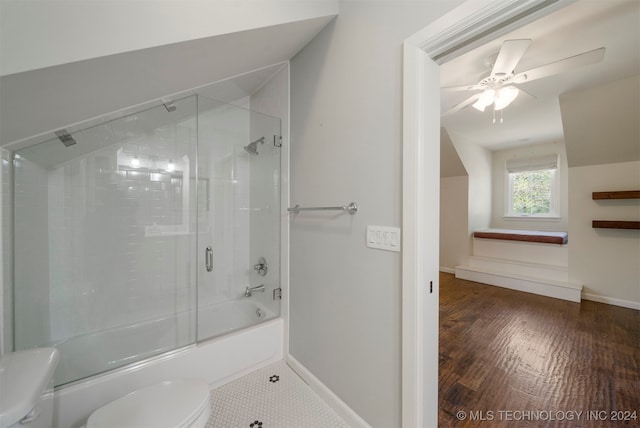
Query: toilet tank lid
[
  {"x": 168, "y": 404},
  {"x": 24, "y": 376}
]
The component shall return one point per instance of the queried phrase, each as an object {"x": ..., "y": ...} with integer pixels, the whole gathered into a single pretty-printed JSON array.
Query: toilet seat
[{"x": 174, "y": 404}]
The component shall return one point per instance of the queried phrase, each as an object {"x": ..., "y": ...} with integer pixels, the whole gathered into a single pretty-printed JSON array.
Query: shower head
[{"x": 252, "y": 148}]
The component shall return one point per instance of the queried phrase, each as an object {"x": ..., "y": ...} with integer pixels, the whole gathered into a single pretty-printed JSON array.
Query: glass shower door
[
  {"x": 105, "y": 241},
  {"x": 238, "y": 217}
]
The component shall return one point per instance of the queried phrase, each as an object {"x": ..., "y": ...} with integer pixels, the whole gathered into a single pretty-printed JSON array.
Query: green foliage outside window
[{"x": 531, "y": 192}]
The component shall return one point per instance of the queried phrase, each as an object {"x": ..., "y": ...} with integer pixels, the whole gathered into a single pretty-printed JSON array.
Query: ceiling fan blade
[
  {"x": 472, "y": 99},
  {"x": 510, "y": 54},
  {"x": 561, "y": 66},
  {"x": 462, "y": 88}
]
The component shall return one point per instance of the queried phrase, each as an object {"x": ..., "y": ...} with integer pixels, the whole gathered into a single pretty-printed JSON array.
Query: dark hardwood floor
[{"x": 513, "y": 359}]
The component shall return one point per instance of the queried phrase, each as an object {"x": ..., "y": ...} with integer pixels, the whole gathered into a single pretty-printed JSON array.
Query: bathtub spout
[{"x": 250, "y": 290}]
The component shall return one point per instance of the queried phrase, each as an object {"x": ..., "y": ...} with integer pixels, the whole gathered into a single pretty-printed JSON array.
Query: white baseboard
[
  {"x": 447, "y": 270},
  {"x": 564, "y": 291},
  {"x": 340, "y": 407},
  {"x": 612, "y": 301}
]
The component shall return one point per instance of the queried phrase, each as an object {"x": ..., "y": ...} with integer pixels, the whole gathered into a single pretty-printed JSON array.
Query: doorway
[{"x": 464, "y": 28}]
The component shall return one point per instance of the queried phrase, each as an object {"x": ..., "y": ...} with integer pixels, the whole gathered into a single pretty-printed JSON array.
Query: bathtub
[
  {"x": 102, "y": 351},
  {"x": 245, "y": 336},
  {"x": 216, "y": 320}
]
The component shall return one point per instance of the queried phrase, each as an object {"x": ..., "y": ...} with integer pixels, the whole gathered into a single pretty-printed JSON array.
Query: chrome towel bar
[{"x": 352, "y": 208}]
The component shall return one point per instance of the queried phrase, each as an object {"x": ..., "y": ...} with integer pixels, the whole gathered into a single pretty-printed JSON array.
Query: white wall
[
  {"x": 499, "y": 185},
  {"x": 605, "y": 261},
  {"x": 455, "y": 245},
  {"x": 345, "y": 311},
  {"x": 77, "y": 31},
  {"x": 477, "y": 161},
  {"x": 603, "y": 153}
]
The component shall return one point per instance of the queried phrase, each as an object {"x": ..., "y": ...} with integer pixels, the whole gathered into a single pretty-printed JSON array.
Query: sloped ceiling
[
  {"x": 43, "y": 33},
  {"x": 602, "y": 123},
  {"x": 450, "y": 163},
  {"x": 39, "y": 101}
]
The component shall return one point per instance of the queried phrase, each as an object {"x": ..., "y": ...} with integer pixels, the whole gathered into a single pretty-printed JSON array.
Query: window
[{"x": 532, "y": 187}]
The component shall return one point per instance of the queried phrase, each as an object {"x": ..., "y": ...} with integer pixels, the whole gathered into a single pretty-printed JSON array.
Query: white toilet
[
  {"x": 171, "y": 404},
  {"x": 26, "y": 388}
]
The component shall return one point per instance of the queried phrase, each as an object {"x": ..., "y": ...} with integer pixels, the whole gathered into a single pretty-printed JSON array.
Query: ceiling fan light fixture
[
  {"x": 505, "y": 96},
  {"x": 486, "y": 99}
]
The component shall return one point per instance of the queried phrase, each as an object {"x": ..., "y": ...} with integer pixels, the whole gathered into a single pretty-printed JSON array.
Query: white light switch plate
[{"x": 383, "y": 238}]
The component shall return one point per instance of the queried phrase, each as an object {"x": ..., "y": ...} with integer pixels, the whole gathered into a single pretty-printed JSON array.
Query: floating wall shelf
[
  {"x": 623, "y": 194},
  {"x": 616, "y": 224}
]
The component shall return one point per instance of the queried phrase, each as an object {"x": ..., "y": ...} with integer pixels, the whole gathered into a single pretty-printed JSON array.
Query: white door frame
[{"x": 466, "y": 27}]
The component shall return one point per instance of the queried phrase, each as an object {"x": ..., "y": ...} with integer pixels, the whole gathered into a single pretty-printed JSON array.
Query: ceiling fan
[{"x": 499, "y": 88}]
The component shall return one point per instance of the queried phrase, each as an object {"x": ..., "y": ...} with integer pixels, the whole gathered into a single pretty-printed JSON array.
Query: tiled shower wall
[{"x": 112, "y": 245}]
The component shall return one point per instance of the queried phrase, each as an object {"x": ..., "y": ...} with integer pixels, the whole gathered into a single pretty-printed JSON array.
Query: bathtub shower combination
[{"x": 146, "y": 234}]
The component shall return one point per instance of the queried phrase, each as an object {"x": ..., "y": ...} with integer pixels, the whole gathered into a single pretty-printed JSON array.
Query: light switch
[{"x": 383, "y": 238}]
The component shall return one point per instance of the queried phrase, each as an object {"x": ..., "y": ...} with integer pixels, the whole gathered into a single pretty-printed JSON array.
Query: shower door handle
[{"x": 208, "y": 259}]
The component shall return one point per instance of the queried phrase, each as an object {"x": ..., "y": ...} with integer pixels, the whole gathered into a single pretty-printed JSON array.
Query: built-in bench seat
[
  {"x": 559, "y": 238},
  {"x": 524, "y": 260}
]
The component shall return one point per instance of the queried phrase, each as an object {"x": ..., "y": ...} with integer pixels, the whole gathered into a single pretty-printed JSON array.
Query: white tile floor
[{"x": 272, "y": 397}]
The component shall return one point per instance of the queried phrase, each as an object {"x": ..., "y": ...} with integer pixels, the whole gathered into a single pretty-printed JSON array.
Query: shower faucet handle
[{"x": 261, "y": 267}]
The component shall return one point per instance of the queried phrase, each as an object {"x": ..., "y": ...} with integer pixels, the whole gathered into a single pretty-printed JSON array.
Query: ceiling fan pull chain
[{"x": 494, "y": 116}]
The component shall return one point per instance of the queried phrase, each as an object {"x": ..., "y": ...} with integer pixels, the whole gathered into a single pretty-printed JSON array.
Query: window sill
[{"x": 532, "y": 218}]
